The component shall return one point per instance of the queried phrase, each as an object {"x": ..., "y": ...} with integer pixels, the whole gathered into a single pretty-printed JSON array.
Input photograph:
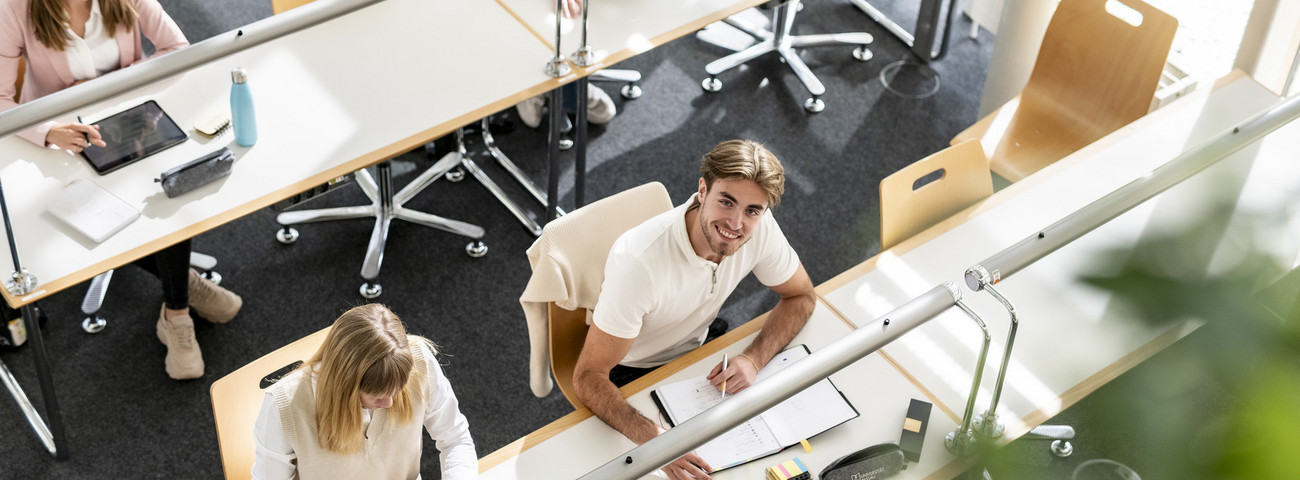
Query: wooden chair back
[
  {"x": 1095, "y": 72},
  {"x": 567, "y": 330},
  {"x": 281, "y": 6},
  {"x": 237, "y": 399},
  {"x": 584, "y": 237},
  {"x": 18, "y": 83},
  {"x": 958, "y": 177}
]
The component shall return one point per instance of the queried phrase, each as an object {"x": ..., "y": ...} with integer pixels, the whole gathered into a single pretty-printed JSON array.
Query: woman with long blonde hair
[
  {"x": 66, "y": 42},
  {"x": 351, "y": 410}
]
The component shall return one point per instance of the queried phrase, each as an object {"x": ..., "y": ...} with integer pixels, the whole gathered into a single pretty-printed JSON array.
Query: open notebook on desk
[{"x": 816, "y": 409}]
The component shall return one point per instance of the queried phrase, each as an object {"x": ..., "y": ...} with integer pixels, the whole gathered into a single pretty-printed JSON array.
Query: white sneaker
[
  {"x": 600, "y": 108},
  {"x": 184, "y": 361},
  {"x": 530, "y": 110}
]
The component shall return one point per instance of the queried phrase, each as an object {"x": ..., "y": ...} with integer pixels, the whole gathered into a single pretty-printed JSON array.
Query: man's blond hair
[{"x": 749, "y": 160}]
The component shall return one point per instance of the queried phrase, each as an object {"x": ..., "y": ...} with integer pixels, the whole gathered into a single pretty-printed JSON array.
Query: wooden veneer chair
[
  {"x": 909, "y": 203},
  {"x": 1095, "y": 73},
  {"x": 568, "y": 263},
  {"x": 237, "y": 399}
]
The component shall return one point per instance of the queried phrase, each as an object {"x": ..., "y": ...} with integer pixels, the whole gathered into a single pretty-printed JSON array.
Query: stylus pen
[
  {"x": 724, "y": 370},
  {"x": 84, "y": 134}
]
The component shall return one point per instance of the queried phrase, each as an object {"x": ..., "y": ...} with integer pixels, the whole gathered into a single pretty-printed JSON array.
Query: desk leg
[
  {"x": 580, "y": 139},
  {"x": 51, "y": 435},
  {"x": 553, "y": 156}
]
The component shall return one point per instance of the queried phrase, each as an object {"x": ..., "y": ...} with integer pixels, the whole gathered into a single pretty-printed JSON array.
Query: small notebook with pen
[{"x": 816, "y": 409}]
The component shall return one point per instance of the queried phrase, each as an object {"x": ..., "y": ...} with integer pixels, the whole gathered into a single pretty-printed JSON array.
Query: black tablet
[{"x": 131, "y": 135}]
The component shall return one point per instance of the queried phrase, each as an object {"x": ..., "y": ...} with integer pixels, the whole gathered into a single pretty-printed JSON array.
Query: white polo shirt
[{"x": 658, "y": 291}]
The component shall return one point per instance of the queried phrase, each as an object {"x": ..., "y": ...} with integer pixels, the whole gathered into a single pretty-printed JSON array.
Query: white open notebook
[
  {"x": 91, "y": 210},
  {"x": 818, "y": 408}
]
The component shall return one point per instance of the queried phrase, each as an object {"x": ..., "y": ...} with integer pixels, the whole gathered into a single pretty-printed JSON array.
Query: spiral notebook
[{"x": 816, "y": 409}]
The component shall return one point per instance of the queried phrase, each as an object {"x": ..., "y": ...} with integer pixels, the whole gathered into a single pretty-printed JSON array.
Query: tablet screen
[{"x": 131, "y": 135}]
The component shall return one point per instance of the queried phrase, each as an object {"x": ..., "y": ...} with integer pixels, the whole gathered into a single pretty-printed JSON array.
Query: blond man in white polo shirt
[{"x": 666, "y": 280}]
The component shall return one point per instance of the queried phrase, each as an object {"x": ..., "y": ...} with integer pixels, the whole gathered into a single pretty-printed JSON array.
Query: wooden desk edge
[{"x": 552, "y": 429}]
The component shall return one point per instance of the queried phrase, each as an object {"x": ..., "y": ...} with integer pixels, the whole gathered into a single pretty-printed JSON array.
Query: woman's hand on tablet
[{"x": 74, "y": 137}]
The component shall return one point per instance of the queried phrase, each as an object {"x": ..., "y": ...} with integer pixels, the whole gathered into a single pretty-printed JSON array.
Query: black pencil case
[{"x": 196, "y": 173}]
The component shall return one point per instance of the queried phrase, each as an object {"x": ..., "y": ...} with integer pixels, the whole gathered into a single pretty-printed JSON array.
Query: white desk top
[
  {"x": 1071, "y": 338},
  {"x": 619, "y": 29},
  {"x": 879, "y": 392},
  {"x": 330, "y": 100}
]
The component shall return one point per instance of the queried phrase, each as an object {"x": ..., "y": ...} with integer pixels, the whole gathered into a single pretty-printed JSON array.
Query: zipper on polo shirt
[{"x": 713, "y": 287}]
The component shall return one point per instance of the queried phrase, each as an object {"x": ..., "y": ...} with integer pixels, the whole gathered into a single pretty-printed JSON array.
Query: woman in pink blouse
[{"x": 66, "y": 42}]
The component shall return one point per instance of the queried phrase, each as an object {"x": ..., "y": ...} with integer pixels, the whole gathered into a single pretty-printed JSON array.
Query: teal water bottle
[{"x": 242, "y": 115}]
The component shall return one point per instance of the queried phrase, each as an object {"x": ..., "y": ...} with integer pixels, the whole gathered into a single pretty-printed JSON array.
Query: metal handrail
[
  {"x": 1012, "y": 259},
  {"x": 163, "y": 66},
  {"x": 986, "y": 274},
  {"x": 784, "y": 384}
]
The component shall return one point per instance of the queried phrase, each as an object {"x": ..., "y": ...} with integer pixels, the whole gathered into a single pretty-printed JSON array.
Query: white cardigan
[{"x": 568, "y": 263}]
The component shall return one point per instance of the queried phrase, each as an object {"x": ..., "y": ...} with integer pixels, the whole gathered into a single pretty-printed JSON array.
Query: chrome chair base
[
  {"x": 784, "y": 44},
  {"x": 491, "y": 145},
  {"x": 386, "y": 206},
  {"x": 98, "y": 291}
]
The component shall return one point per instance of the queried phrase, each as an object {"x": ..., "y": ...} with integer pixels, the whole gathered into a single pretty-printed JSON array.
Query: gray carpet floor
[{"x": 126, "y": 419}]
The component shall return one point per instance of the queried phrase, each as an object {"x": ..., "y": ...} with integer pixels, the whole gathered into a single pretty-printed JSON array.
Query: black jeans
[
  {"x": 623, "y": 375},
  {"x": 172, "y": 266}
]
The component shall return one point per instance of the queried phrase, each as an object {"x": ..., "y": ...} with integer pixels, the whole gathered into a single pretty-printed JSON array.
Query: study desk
[
  {"x": 1072, "y": 339},
  {"x": 325, "y": 108},
  {"x": 579, "y": 442},
  {"x": 935, "y": 362},
  {"x": 331, "y": 99}
]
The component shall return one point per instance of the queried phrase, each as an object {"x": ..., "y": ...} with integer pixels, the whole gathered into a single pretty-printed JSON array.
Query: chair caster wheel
[
  {"x": 212, "y": 276},
  {"x": 455, "y": 175},
  {"x": 862, "y": 54},
  {"x": 371, "y": 291},
  {"x": 630, "y": 91},
  {"x": 476, "y": 249},
  {"x": 566, "y": 144},
  {"x": 711, "y": 84},
  {"x": 287, "y": 235},
  {"x": 94, "y": 324},
  {"x": 814, "y": 105},
  {"x": 1062, "y": 448}
]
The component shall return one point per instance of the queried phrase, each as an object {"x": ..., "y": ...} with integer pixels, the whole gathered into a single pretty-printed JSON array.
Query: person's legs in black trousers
[
  {"x": 183, "y": 290},
  {"x": 623, "y": 375}
]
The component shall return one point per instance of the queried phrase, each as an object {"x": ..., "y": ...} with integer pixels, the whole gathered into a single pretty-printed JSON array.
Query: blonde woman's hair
[
  {"x": 49, "y": 18},
  {"x": 748, "y": 160},
  {"x": 367, "y": 351}
]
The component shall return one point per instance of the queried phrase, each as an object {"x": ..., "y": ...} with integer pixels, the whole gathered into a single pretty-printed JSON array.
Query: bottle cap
[{"x": 239, "y": 75}]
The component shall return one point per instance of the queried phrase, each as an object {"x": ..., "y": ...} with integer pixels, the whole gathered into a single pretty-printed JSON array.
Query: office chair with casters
[
  {"x": 98, "y": 291},
  {"x": 781, "y": 41},
  {"x": 631, "y": 78},
  {"x": 384, "y": 207},
  {"x": 509, "y": 166},
  {"x": 237, "y": 399},
  {"x": 932, "y": 189},
  {"x": 1095, "y": 73},
  {"x": 568, "y": 263}
]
